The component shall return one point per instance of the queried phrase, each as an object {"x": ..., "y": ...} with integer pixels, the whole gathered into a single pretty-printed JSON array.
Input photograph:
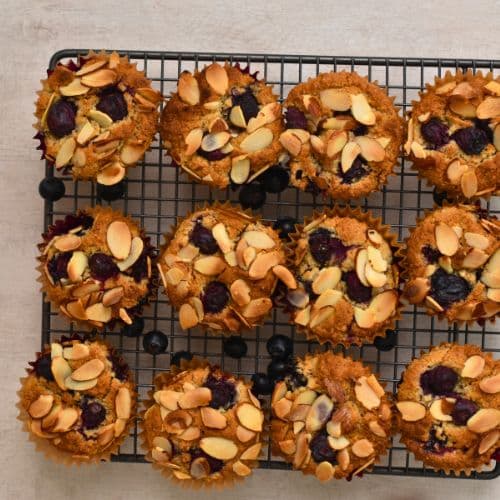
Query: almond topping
[
  {"x": 361, "y": 261},
  {"x": 65, "y": 152},
  {"x": 188, "y": 88},
  {"x": 338, "y": 443},
  {"x": 67, "y": 243},
  {"x": 488, "y": 441},
  {"x": 199, "y": 468},
  {"x": 123, "y": 403},
  {"x": 474, "y": 259},
  {"x": 98, "y": 312},
  {"x": 236, "y": 117},
  {"x": 136, "y": 248},
  {"x": 484, "y": 420},
  {"x": 240, "y": 292},
  {"x": 213, "y": 418},
  {"x": 349, "y": 153},
  {"x": 362, "y": 448},
  {"x": 220, "y": 235},
  {"x": 77, "y": 265},
  {"x": 324, "y": 471},
  {"x": 112, "y": 296},
  {"x": 252, "y": 453},
  {"x": 373, "y": 277},
  {"x": 334, "y": 429},
  {"x": 328, "y": 298},
  {"x": 455, "y": 171},
  {"x": 99, "y": 78},
  {"x": 241, "y": 469},
  {"x": 436, "y": 410},
  {"x": 490, "y": 385},
  {"x": 130, "y": 154},
  {"x": 188, "y": 318},
  {"x": 377, "y": 429},
  {"x": 257, "y": 140},
  {"x": 259, "y": 239},
  {"x": 361, "y": 109},
  {"x": 217, "y": 78},
  {"x": 291, "y": 143},
  {"x": 257, "y": 307},
  {"x": 383, "y": 305},
  {"x": 287, "y": 447},
  {"x": 250, "y": 417},
  {"x": 218, "y": 447},
  {"x": 211, "y": 142},
  {"x": 240, "y": 169},
  {"x": 336, "y": 144},
  {"x": 418, "y": 150},
  {"x": 303, "y": 317},
  {"x": 282, "y": 408},
  {"x": 301, "y": 451},
  {"x": 111, "y": 175},
  {"x": 365, "y": 394},
  {"x": 473, "y": 367},
  {"x": 462, "y": 107},
  {"x": 446, "y": 239},
  {"x": 41, "y": 406},
  {"x": 321, "y": 315},
  {"x": 376, "y": 260},
  {"x": 119, "y": 239},
  {"x": 496, "y": 137},
  {"x": 66, "y": 418},
  {"x": 77, "y": 351},
  {"x": 263, "y": 263},
  {"x": 60, "y": 369},
  {"x": 411, "y": 411},
  {"x": 193, "y": 141},
  {"x": 90, "y": 370},
  {"x": 468, "y": 183},
  {"x": 210, "y": 265},
  {"x": 489, "y": 108},
  {"x": 327, "y": 278},
  {"x": 319, "y": 413},
  {"x": 194, "y": 398},
  {"x": 365, "y": 318},
  {"x": 190, "y": 434},
  {"x": 312, "y": 105},
  {"x": 244, "y": 435},
  {"x": 493, "y": 294},
  {"x": 371, "y": 150},
  {"x": 285, "y": 276},
  {"x": 476, "y": 240},
  {"x": 335, "y": 99},
  {"x": 343, "y": 459},
  {"x": 416, "y": 290}
]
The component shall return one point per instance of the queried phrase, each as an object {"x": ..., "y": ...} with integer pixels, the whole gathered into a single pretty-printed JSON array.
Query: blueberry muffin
[
  {"x": 331, "y": 418},
  {"x": 202, "y": 426},
  {"x": 453, "y": 264},
  {"x": 449, "y": 408},
  {"x": 219, "y": 268},
  {"x": 343, "y": 135},
  {"x": 454, "y": 134},
  {"x": 222, "y": 125},
  {"x": 345, "y": 266},
  {"x": 78, "y": 401},
  {"x": 95, "y": 267},
  {"x": 96, "y": 118}
]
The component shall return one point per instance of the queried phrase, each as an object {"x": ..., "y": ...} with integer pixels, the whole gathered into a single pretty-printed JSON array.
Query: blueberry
[
  {"x": 435, "y": 132},
  {"x": 296, "y": 379},
  {"x": 356, "y": 291},
  {"x": 484, "y": 125},
  {"x": 155, "y": 342},
  {"x": 275, "y": 179},
  {"x": 223, "y": 392},
  {"x": 120, "y": 367},
  {"x": 471, "y": 140},
  {"x": 278, "y": 369},
  {"x": 280, "y": 347},
  {"x": 325, "y": 248},
  {"x": 321, "y": 450},
  {"x": 58, "y": 265},
  {"x": 113, "y": 104},
  {"x": 285, "y": 226},
  {"x": 360, "y": 130},
  {"x": 61, "y": 118},
  {"x": 247, "y": 102},
  {"x": 140, "y": 268},
  {"x": 214, "y": 463},
  {"x": 51, "y": 188},
  {"x": 214, "y": 155},
  {"x": 438, "y": 381},
  {"x": 435, "y": 444},
  {"x": 102, "y": 267},
  {"x": 386, "y": 343},
  {"x": 202, "y": 238},
  {"x": 496, "y": 455},
  {"x": 431, "y": 254},
  {"x": 177, "y": 357},
  {"x": 448, "y": 288},
  {"x": 235, "y": 347},
  {"x": 261, "y": 384},
  {"x": 135, "y": 329},
  {"x": 252, "y": 196},
  {"x": 93, "y": 414},
  {"x": 215, "y": 297},
  {"x": 463, "y": 410},
  {"x": 111, "y": 193},
  {"x": 42, "y": 367},
  {"x": 440, "y": 197},
  {"x": 294, "y": 118},
  {"x": 355, "y": 173}
]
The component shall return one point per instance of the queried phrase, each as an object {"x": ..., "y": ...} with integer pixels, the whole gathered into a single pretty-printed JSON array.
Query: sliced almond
[
  {"x": 493, "y": 294},
  {"x": 90, "y": 370},
  {"x": 123, "y": 403},
  {"x": 496, "y": 137},
  {"x": 76, "y": 310},
  {"x": 193, "y": 141},
  {"x": 213, "y": 418},
  {"x": 91, "y": 66},
  {"x": 462, "y": 107},
  {"x": 349, "y": 154},
  {"x": 75, "y": 88},
  {"x": 477, "y": 240},
  {"x": 362, "y": 448},
  {"x": 240, "y": 292},
  {"x": 66, "y": 418},
  {"x": 79, "y": 157},
  {"x": 468, "y": 183},
  {"x": 338, "y": 443},
  {"x": 317, "y": 144},
  {"x": 446, "y": 239},
  {"x": 416, "y": 290},
  {"x": 334, "y": 429},
  {"x": 236, "y": 117},
  {"x": 209, "y": 265},
  {"x": 319, "y": 413},
  {"x": 376, "y": 260},
  {"x": 218, "y": 447},
  {"x": 217, "y": 78},
  {"x": 488, "y": 441},
  {"x": 99, "y": 78},
  {"x": 301, "y": 134},
  {"x": 119, "y": 239},
  {"x": 320, "y": 316},
  {"x": 250, "y": 417},
  {"x": 328, "y": 298},
  {"x": 371, "y": 150},
  {"x": 287, "y": 446},
  {"x": 36, "y": 429},
  {"x": 263, "y": 263},
  {"x": 473, "y": 367},
  {"x": 65, "y": 152},
  {"x": 303, "y": 317},
  {"x": 361, "y": 261},
  {"x": 244, "y": 435},
  {"x": 383, "y": 305},
  {"x": 324, "y": 471},
  {"x": 211, "y": 142},
  {"x": 283, "y": 274},
  {"x": 188, "y": 318},
  {"x": 335, "y": 99},
  {"x": 411, "y": 411},
  {"x": 365, "y": 394},
  {"x": 365, "y": 318},
  {"x": 445, "y": 88},
  {"x": 484, "y": 420},
  {"x": 436, "y": 410},
  {"x": 377, "y": 429},
  {"x": 257, "y": 307},
  {"x": 50, "y": 419},
  {"x": 240, "y": 469},
  {"x": 130, "y": 154},
  {"x": 168, "y": 399},
  {"x": 87, "y": 132},
  {"x": 256, "y": 141},
  {"x": 112, "y": 296},
  {"x": 373, "y": 277},
  {"x": 343, "y": 459},
  {"x": 195, "y": 398},
  {"x": 41, "y": 406},
  {"x": 489, "y": 108},
  {"x": 259, "y": 239},
  {"x": 361, "y": 109},
  {"x": 327, "y": 278},
  {"x": 312, "y": 105},
  {"x": 60, "y": 370},
  {"x": 188, "y": 88},
  {"x": 111, "y": 175},
  {"x": 136, "y": 248},
  {"x": 336, "y": 144},
  {"x": 199, "y": 468},
  {"x": 219, "y": 232},
  {"x": 418, "y": 150},
  {"x": 98, "y": 312},
  {"x": 424, "y": 117},
  {"x": 282, "y": 408},
  {"x": 490, "y": 385},
  {"x": 190, "y": 434},
  {"x": 298, "y": 298},
  {"x": 474, "y": 259},
  {"x": 249, "y": 255},
  {"x": 77, "y": 265},
  {"x": 252, "y": 452},
  {"x": 101, "y": 118},
  {"x": 76, "y": 352},
  {"x": 301, "y": 451},
  {"x": 240, "y": 169}
]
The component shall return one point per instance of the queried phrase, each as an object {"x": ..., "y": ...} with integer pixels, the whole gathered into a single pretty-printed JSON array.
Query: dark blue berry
[
  {"x": 214, "y": 155},
  {"x": 438, "y": 381},
  {"x": 235, "y": 347},
  {"x": 386, "y": 343},
  {"x": 252, "y": 196},
  {"x": 285, "y": 226},
  {"x": 463, "y": 410},
  {"x": 247, "y": 102},
  {"x": 431, "y": 254},
  {"x": 435, "y": 132},
  {"x": 51, "y": 188},
  {"x": 355, "y": 173},
  {"x": 135, "y": 329},
  {"x": 435, "y": 444},
  {"x": 484, "y": 125},
  {"x": 325, "y": 248},
  {"x": 202, "y": 238},
  {"x": 471, "y": 140},
  {"x": 61, "y": 118},
  {"x": 321, "y": 450},
  {"x": 223, "y": 392},
  {"x": 356, "y": 291},
  {"x": 113, "y": 104},
  {"x": 112, "y": 193},
  {"x": 155, "y": 342},
  {"x": 215, "y": 297},
  {"x": 447, "y": 289},
  {"x": 261, "y": 384},
  {"x": 275, "y": 179},
  {"x": 440, "y": 197},
  {"x": 102, "y": 267},
  {"x": 294, "y": 118},
  {"x": 360, "y": 130},
  {"x": 42, "y": 367},
  {"x": 278, "y": 369},
  {"x": 280, "y": 347},
  {"x": 93, "y": 414}
]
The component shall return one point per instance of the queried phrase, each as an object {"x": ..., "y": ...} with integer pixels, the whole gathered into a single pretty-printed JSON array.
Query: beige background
[{"x": 30, "y": 31}]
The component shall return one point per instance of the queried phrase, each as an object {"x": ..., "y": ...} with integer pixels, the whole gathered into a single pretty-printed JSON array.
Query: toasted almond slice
[
  {"x": 160, "y": 456},
  {"x": 468, "y": 183},
  {"x": 484, "y": 420},
  {"x": 477, "y": 240},
  {"x": 317, "y": 144},
  {"x": 101, "y": 118},
  {"x": 250, "y": 417},
  {"x": 418, "y": 150},
  {"x": 249, "y": 255},
  {"x": 319, "y": 413},
  {"x": 77, "y": 351},
  {"x": 194, "y": 398},
  {"x": 168, "y": 398},
  {"x": 298, "y": 298},
  {"x": 230, "y": 258},
  {"x": 334, "y": 429},
  {"x": 361, "y": 109},
  {"x": 365, "y": 394},
  {"x": 303, "y": 317},
  {"x": 243, "y": 434},
  {"x": 343, "y": 459},
  {"x": 349, "y": 153},
  {"x": 112, "y": 296},
  {"x": 193, "y": 141},
  {"x": 257, "y": 140},
  {"x": 56, "y": 350},
  {"x": 218, "y": 447},
  {"x": 373, "y": 277},
  {"x": 493, "y": 294},
  {"x": 257, "y": 307},
  {"x": 98, "y": 312},
  {"x": 473, "y": 367},
  {"x": 75, "y": 88},
  {"x": 79, "y": 157},
  {"x": 312, "y": 105},
  {"x": 90, "y": 370},
  {"x": 446, "y": 239},
  {"x": 411, "y": 411},
  {"x": 376, "y": 260},
  {"x": 60, "y": 370},
  {"x": 65, "y": 152},
  {"x": 90, "y": 66},
  {"x": 327, "y": 278},
  {"x": 493, "y": 87},
  {"x": 240, "y": 292},
  {"x": 424, "y": 117},
  {"x": 251, "y": 453},
  {"x": 416, "y": 290},
  {"x": 431, "y": 302},
  {"x": 50, "y": 419},
  {"x": 263, "y": 263},
  {"x": 211, "y": 142},
  {"x": 361, "y": 261},
  {"x": 285, "y": 276},
  {"x": 36, "y": 429},
  {"x": 119, "y": 239},
  {"x": 99, "y": 78},
  {"x": 489, "y": 108},
  {"x": 298, "y": 426},
  {"x": 328, "y": 298},
  {"x": 488, "y": 441},
  {"x": 123, "y": 403},
  {"x": 287, "y": 446},
  {"x": 136, "y": 248},
  {"x": 377, "y": 429},
  {"x": 87, "y": 132},
  {"x": 190, "y": 434},
  {"x": 336, "y": 144},
  {"x": 188, "y": 88},
  {"x": 41, "y": 406},
  {"x": 210, "y": 265},
  {"x": 77, "y": 265},
  {"x": 76, "y": 310},
  {"x": 324, "y": 471},
  {"x": 240, "y": 169},
  {"x": 301, "y": 451},
  {"x": 445, "y": 88},
  {"x": 217, "y": 78},
  {"x": 240, "y": 469},
  {"x": 409, "y": 141},
  {"x": 320, "y": 315},
  {"x": 188, "y": 318},
  {"x": 362, "y": 448},
  {"x": 220, "y": 235},
  {"x": 256, "y": 122},
  {"x": 259, "y": 239},
  {"x": 496, "y": 137},
  {"x": 365, "y": 318},
  {"x": 338, "y": 443},
  {"x": 462, "y": 107},
  {"x": 67, "y": 243},
  {"x": 66, "y": 418},
  {"x": 236, "y": 117},
  {"x": 371, "y": 150},
  {"x": 188, "y": 253},
  {"x": 436, "y": 410},
  {"x": 130, "y": 154},
  {"x": 335, "y": 99},
  {"x": 198, "y": 307},
  {"x": 213, "y": 418},
  {"x": 383, "y": 305},
  {"x": 455, "y": 171},
  {"x": 282, "y": 408},
  {"x": 111, "y": 175},
  {"x": 490, "y": 385}
]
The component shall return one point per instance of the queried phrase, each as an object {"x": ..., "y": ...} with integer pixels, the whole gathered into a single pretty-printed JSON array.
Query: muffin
[
  {"x": 454, "y": 134},
  {"x": 222, "y": 125},
  {"x": 96, "y": 118},
  {"x": 331, "y": 418},
  {"x": 78, "y": 401},
  {"x": 449, "y": 408},
  {"x": 345, "y": 266},
  {"x": 343, "y": 135},
  {"x": 95, "y": 267},
  {"x": 452, "y": 264},
  {"x": 202, "y": 426},
  {"x": 220, "y": 266}
]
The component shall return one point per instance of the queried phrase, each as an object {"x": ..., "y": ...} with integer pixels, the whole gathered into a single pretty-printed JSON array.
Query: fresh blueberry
[
  {"x": 275, "y": 179},
  {"x": 431, "y": 254},
  {"x": 43, "y": 367},
  {"x": 484, "y": 125},
  {"x": 93, "y": 413},
  {"x": 235, "y": 347},
  {"x": 214, "y": 155},
  {"x": 155, "y": 342},
  {"x": 113, "y": 104},
  {"x": 202, "y": 238},
  {"x": 111, "y": 193},
  {"x": 440, "y": 197},
  {"x": 435, "y": 132},
  {"x": 280, "y": 347},
  {"x": 140, "y": 268},
  {"x": 448, "y": 288},
  {"x": 223, "y": 392},
  {"x": 247, "y": 102},
  {"x": 61, "y": 118},
  {"x": 215, "y": 297},
  {"x": 438, "y": 381},
  {"x": 51, "y": 188},
  {"x": 321, "y": 450},
  {"x": 285, "y": 226},
  {"x": 355, "y": 173},
  {"x": 252, "y": 196},
  {"x": 294, "y": 118},
  {"x": 356, "y": 291},
  {"x": 261, "y": 384},
  {"x": 471, "y": 140},
  {"x": 135, "y": 329},
  {"x": 278, "y": 369},
  {"x": 463, "y": 410},
  {"x": 325, "y": 248},
  {"x": 177, "y": 357},
  {"x": 58, "y": 265},
  {"x": 386, "y": 343},
  {"x": 102, "y": 267}
]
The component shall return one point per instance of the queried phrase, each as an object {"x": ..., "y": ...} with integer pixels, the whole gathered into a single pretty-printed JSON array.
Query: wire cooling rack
[{"x": 158, "y": 193}]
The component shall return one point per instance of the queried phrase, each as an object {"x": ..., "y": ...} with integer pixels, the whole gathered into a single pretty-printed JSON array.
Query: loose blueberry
[
  {"x": 113, "y": 104},
  {"x": 214, "y": 463},
  {"x": 280, "y": 347},
  {"x": 448, "y": 288},
  {"x": 58, "y": 266},
  {"x": 285, "y": 226},
  {"x": 278, "y": 369},
  {"x": 471, "y": 140},
  {"x": 93, "y": 413},
  {"x": 275, "y": 179},
  {"x": 61, "y": 118},
  {"x": 202, "y": 238},
  {"x": 463, "y": 410},
  {"x": 215, "y": 297},
  {"x": 294, "y": 118},
  {"x": 261, "y": 384},
  {"x": 223, "y": 392},
  {"x": 235, "y": 347},
  {"x": 42, "y": 367},
  {"x": 435, "y": 132},
  {"x": 440, "y": 197},
  {"x": 102, "y": 267},
  {"x": 386, "y": 343},
  {"x": 135, "y": 329},
  {"x": 155, "y": 342},
  {"x": 431, "y": 254},
  {"x": 252, "y": 196},
  {"x": 111, "y": 193},
  {"x": 355, "y": 173},
  {"x": 214, "y": 155},
  {"x": 247, "y": 102},
  {"x": 321, "y": 450},
  {"x": 177, "y": 357},
  {"x": 356, "y": 291},
  {"x": 51, "y": 188},
  {"x": 438, "y": 381}
]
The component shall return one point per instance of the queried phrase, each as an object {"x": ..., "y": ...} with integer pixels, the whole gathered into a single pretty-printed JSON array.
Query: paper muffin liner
[
  {"x": 421, "y": 164},
  {"x": 230, "y": 209},
  {"x": 406, "y": 276},
  {"x": 373, "y": 223},
  {"x": 228, "y": 478},
  {"x": 135, "y": 311},
  {"x": 65, "y": 457}
]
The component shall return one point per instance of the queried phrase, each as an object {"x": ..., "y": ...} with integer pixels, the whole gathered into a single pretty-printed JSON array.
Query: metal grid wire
[{"x": 158, "y": 193}]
